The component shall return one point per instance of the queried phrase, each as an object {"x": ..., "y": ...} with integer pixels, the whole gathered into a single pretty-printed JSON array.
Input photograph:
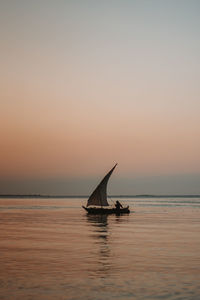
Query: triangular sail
[{"x": 99, "y": 196}]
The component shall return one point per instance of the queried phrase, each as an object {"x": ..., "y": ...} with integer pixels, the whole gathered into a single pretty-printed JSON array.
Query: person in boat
[{"x": 118, "y": 205}]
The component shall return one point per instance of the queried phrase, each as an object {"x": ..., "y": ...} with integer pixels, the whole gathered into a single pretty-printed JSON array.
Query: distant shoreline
[{"x": 86, "y": 196}]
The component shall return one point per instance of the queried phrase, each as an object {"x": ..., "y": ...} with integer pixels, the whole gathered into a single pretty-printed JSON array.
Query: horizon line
[{"x": 86, "y": 196}]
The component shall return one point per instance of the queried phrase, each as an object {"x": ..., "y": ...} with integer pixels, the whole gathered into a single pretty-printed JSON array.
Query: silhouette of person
[{"x": 118, "y": 205}]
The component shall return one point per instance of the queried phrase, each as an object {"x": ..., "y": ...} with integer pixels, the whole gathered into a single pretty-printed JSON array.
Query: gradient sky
[{"x": 85, "y": 84}]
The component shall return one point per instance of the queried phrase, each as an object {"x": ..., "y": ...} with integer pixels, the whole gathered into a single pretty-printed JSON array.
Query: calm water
[{"x": 50, "y": 249}]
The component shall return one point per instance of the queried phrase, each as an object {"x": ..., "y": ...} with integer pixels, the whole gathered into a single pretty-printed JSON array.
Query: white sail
[{"x": 99, "y": 196}]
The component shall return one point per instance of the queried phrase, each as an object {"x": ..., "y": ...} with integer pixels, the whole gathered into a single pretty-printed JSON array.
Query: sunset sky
[{"x": 87, "y": 83}]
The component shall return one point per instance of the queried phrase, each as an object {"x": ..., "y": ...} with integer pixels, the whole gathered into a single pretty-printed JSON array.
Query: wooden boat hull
[{"x": 106, "y": 211}]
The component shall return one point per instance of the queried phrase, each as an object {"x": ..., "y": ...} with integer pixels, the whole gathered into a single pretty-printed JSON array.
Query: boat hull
[{"x": 106, "y": 211}]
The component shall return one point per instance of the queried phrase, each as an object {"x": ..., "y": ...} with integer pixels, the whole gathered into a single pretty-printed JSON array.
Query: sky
[{"x": 86, "y": 84}]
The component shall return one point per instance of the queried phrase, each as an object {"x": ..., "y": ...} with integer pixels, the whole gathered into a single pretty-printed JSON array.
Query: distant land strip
[{"x": 85, "y": 196}]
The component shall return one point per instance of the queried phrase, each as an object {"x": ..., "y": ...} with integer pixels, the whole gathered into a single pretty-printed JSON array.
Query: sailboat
[{"x": 97, "y": 203}]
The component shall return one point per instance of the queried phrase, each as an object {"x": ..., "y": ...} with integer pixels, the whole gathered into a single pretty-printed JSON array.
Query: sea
[{"x": 51, "y": 249}]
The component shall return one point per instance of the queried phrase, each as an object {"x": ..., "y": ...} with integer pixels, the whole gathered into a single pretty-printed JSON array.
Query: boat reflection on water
[
  {"x": 100, "y": 226},
  {"x": 104, "y": 236},
  {"x": 100, "y": 235}
]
